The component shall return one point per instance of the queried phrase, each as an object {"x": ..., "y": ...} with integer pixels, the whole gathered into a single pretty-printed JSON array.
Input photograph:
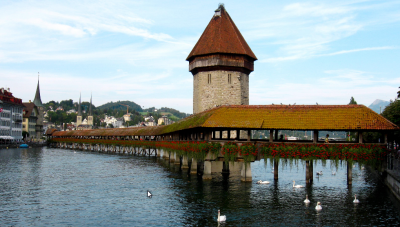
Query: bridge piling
[
  {"x": 193, "y": 167},
  {"x": 207, "y": 170},
  {"x": 349, "y": 173},
  {"x": 308, "y": 172}
]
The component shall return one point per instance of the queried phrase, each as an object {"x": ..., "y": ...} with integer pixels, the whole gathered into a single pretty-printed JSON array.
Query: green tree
[
  {"x": 25, "y": 134},
  {"x": 392, "y": 113},
  {"x": 352, "y": 101}
]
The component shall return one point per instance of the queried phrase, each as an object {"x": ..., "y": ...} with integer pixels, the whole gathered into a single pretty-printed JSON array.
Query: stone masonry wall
[{"x": 220, "y": 90}]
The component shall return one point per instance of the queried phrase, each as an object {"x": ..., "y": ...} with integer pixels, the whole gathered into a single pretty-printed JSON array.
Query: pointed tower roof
[
  {"x": 221, "y": 36},
  {"x": 79, "y": 107},
  {"x": 37, "y": 101},
  {"x": 90, "y": 107}
]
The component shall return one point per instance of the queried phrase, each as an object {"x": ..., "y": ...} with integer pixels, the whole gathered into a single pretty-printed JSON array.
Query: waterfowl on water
[
  {"x": 306, "y": 201},
  {"x": 319, "y": 173},
  {"x": 333, "y": 172},
  {"x": 262, "y": 182},
  {"x": 318, "y": 207},
  {"x": 297, "y": 186},
  {"x": 221, "y": 217},
  {"x": 355, "y": 199}
]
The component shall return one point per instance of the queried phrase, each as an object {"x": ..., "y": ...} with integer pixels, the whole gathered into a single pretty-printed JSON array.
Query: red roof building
[{"x": 220, "y": 62}]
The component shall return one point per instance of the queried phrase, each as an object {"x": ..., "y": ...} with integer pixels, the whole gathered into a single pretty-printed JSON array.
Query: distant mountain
[
  {"x": 378, "y": 104},
  {"x": 118, "y": 106}
]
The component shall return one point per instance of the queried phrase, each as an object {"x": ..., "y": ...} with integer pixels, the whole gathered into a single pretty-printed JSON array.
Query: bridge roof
[{"x": 282, "y": 117}]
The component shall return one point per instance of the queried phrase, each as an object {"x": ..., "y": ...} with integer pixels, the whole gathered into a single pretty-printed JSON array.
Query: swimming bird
[
  {"x": 355, "y": 199},
  {"x": 319, "y": 173},
  {"x": 333, "y": 172},
  {"x": 262, "y": 182},
  {"x": 306, "y": 201},
  {"x": 297, "y": 186},
  {"x": 318, "y": 207},
  {"x": 362, "y": 167},
  {"x": 221, "y": 217}
]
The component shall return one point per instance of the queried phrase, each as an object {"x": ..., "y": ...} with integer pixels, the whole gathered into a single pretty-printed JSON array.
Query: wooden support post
[
  {"x": 360, "y": 137},
  {"x": 271, "y": 136},
  {"x": 349, "y": 173},
  {"x": 276, "y": 134},
  {"x": 276, "y": 164},
  {"x": 248, "y": 135},
  {"x": 386, "y": 138},
  {"x": 308, "y": 172},
  {"x": 315, "y": 134},
  {"x": 311, "y": 171}
]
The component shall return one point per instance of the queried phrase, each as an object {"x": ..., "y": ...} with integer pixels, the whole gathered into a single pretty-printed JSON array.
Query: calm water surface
[{"x": 57, "y": 187}]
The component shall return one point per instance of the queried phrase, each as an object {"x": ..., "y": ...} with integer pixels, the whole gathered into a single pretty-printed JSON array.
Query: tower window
[
  {"x": 229, "y": 78},
  {"x": 209, "y": 78}
]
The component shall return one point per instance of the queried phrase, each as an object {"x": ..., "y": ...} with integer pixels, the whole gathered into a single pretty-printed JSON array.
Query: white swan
[
  {"x": 306, "y": 201},
  {"x": 297, "y": 186},
  {"x": 221, "y": 217},
  {"x": 262, "y": 182},
  {"x": 333, "y": 172},
  {"x": 319, "y": 173},
  {"x": 356, "y": 200},
  {"x": 318, "y": 207}
]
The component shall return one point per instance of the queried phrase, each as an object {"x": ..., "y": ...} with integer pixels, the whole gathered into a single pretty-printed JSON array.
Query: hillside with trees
[
  {"x": 120, "y": 105},
  {"x": 116, "y": 109}
]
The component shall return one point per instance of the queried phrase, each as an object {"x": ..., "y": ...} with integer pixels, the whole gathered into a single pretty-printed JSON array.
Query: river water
[{"x": 59, "y": 187}]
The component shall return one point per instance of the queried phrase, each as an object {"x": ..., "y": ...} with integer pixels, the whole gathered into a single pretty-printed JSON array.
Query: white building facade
[{"x": 10, "y": 116}]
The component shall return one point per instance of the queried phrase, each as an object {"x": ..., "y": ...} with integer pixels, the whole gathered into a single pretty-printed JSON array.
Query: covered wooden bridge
[{"x": 234, "y": 124}]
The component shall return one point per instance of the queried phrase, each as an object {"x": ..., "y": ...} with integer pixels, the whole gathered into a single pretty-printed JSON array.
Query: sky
[{"x": 308, "y": 52}]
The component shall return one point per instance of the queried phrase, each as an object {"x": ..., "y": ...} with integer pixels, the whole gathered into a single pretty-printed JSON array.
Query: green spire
[{"x": 37, "y": 101}]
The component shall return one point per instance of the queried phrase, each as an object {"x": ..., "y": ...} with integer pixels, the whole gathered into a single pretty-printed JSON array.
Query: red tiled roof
[
  {"x": 299, "y": 117},
  {"x": 221, "y": 36},
  {"x": 283, "y": 117},
  {"x": 28, "y": 108},
  {"x": 51, "y": 131}
]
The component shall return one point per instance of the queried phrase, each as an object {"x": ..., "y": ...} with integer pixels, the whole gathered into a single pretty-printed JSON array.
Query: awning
[{"x": 7, "y": 137}]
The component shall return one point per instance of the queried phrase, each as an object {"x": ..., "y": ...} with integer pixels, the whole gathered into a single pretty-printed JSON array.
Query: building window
[
  {"x": 229, "y": 78},
  {"x": 209, "y": 78}
]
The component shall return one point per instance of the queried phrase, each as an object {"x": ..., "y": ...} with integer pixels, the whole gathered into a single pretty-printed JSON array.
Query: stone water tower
[{"x": 220, "y": 62}]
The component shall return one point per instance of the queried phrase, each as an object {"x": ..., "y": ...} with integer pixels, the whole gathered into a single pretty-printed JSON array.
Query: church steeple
[
  {"x": 37, "y": 101},
  {"x": 79, "y": 116},
  {"x": 79, "y": 107},
  {"x": 90, "y": 116},
  {"x": 90, "y": 107}
]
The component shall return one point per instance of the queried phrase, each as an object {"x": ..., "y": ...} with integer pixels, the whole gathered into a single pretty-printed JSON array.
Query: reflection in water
[{"x": 62, "y": 187}]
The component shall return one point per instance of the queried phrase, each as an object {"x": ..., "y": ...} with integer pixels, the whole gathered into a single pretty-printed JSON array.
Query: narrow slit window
[{"x": 209, "y": 78}]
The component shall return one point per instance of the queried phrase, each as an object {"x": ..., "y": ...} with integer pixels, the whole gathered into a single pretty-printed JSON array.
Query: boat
[{"x": 23, "y": 145}]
